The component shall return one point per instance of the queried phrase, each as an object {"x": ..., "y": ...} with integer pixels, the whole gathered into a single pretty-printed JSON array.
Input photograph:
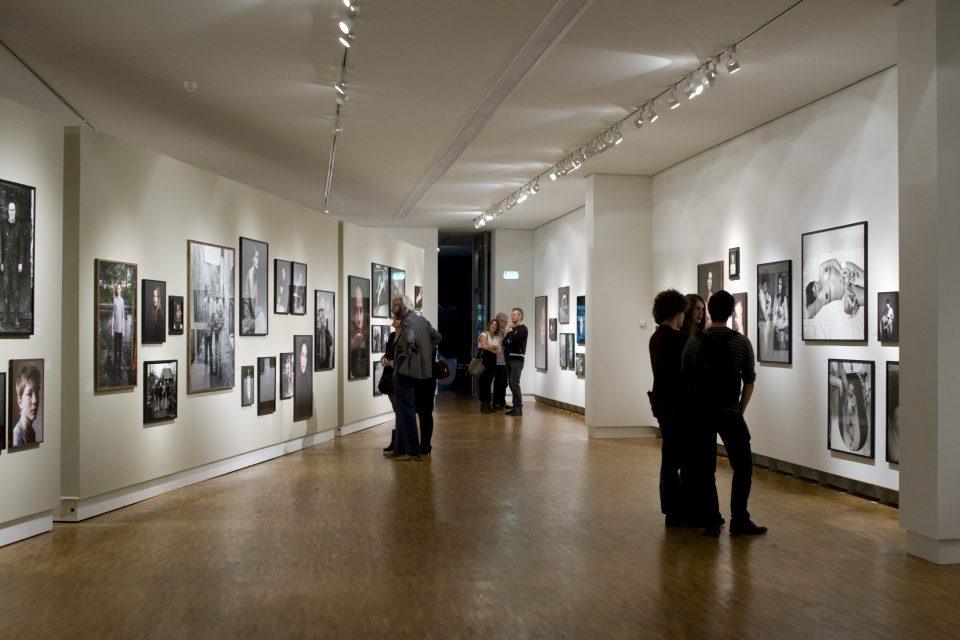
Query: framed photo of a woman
[
  {"x": 154, "y": 297},
  {"x": 254, "y": 291},
  {"x": 850, "y": 407},
  {"x": 775, "y": 312},
  {"x": 115, "y": 325},
  {"x": 888, "y": 317},
  {"x": 709, "y": 281},
  {"x": 303, "y": 377},
  {"x": 834, "y": 278},
  {"x": 26, "y": 403},
  {"x": 398, "y": 282}
]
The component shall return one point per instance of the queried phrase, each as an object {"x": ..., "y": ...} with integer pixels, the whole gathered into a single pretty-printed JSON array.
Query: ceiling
[{"x": 452, "y": 104}]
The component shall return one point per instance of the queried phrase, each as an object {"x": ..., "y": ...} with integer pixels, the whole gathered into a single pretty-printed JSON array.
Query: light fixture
[
  {"x": 553, "y": 174},
  {"x": 346, "y": 40},
  {"x": 617, "y": 135},
  {"x": 535, "y": 187},
  {"x": 488, "y": 216},
  {"x": 341, "y": 99},
  {"x": 651, "y": 115},
  {"x": 341, "y": 87},
  {"x": 638, "y": 121},
  {"x": 350, "y": 4},
  {"x": 732, "y": 65},
  {"x": 710, "y": 74},
  {"x": 346, "y": 26}
]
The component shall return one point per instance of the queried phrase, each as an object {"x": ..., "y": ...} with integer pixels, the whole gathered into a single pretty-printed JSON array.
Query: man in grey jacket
[{"x": 416, "y": 341}]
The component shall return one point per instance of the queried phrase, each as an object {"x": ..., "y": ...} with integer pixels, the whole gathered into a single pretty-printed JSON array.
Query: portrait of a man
[
  {"x": 324, "y": 330},
  {"x": 17, "y": 219},
  {"x": 359, "y": 319}
]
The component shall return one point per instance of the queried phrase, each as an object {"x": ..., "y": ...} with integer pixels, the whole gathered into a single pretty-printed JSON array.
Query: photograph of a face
[
  {"x": 154, "y": 324},
  {"x": 282, "y": 281},
  {"x": 709, "y": 281},
  {"x": 398, "y": 282},
  {"x": 210, "y": 332},
  {"x": 888, "y": 317},
  {"x": 553, "y": 329},
  {"x": 774, "y": 312},
  {"x": 324, "y": 330},
  {"x": 540, "y": 321},
  {"x": 175, "y": 314},
  {"x": 377, "y": 374},
  {"x": 159, "y": 390},
  {"x": 359, "y": 320},
  {"x": 581, "y": 319},
  {"x": 380, "y": 290},
  {"x": 298, "y": 291},
  {"x": 116, "y": 325},
  {"x": 563, "y": 305},
  {"x": 246, "y": 385},
  {"x": 266, "y": 385},
  {"x": 303, "y": 374},
  {"x": 834, "y": 278},
  {"x": 25, "y": 418},
  {"x": 850, "y": 407},
  {"x": 286, "y": 375},
  {"x": 17, "y": 231},
  {"x": 893, "y": 412},
  {"x": 580, "y": 366},
  {"x": 254, "y": 292},
  {"x": 738, "y": 321}
]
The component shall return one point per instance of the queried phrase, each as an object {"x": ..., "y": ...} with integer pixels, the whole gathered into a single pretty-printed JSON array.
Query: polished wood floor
[{"x": 513, "y": 528}]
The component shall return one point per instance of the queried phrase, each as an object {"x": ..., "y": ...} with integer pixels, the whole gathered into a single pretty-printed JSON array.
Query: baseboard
[
  {"x": 557, "y": 404},
  {"x": 933, "y": 550},
  {"x": 621, "y": 432},
  {"x": 855, "y": 487},
  {"x": 27, "y": 527},
  {"x": 74, "y": 509},
  {"x": 366, "y": 423}
]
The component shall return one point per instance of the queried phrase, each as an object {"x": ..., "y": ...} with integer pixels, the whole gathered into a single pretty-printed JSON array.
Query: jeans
[
  {"x": 514, "y": 369},
  {"x": 408, "y": 441},
  {"x": 733, "y": 431},
  {"x": 424, "y": 392}
]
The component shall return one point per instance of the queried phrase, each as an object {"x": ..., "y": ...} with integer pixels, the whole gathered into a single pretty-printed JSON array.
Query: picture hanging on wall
[
  {"x": 540, "y": 320},
  {"x": 398, "y": 282},
  {"x": 563, "y": 305},
  {"x": 324, "y": 330},
  {"x": 115, "y": 325},
  {"x": 266, "y": 385},
  {"x": 709, "y": 281},
  {"x": 17, "y": 230},
  {"x": 385, "y": 331},
  {"x": 25, "y": 415},
  {"x": 175, "y": 315},
  {"x": 3, "y": 411},
  {"x": 282, "y": 278},
  {"x": 775, "y": 312},
  {"x": 581, "y": 319},
  {"x": 246, "y": 385},
  {"x": 154, "y": 325},
  {"x": 210, "y": 331},
  {"x": 377, "y": 374},
  {"x": 159, "y": 390},
  {"x": 738, "y": 321},
  {"x": 417, "y": 298},
  {"x": 303, "y": 386},
  {"x": 286, "y": 375},
  {"x": 298, "y": 291},
  {"x": 893, "y": 412},
  {"x": 567, "y": 350},
  {"x": 888, "y": 314},
  {"x": 850, "y": 408},
  {"x": 359, "y": 320},
  {"x": 376, "y": 343},
  {"x": 733, "y": 263},
  {"x": 834, "y": 276},
  {"x": 553, "y": 329},
  {"x": 580, "y": 365},
  {"x": 254, "y": 288},
  {"x": 379, "y": 290}
]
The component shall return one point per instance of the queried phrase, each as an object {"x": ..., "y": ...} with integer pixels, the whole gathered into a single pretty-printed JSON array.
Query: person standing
[
  {"x": 386, "y": 382},
  {"x": 118, "y": 325},
  {"x": 515, "y": 348},
  {"x": 500, "y": 376},
  {"x": 14, "y": 245},
  {"x": 488, "y": 344},
  {"x": 416, "y": 343}
]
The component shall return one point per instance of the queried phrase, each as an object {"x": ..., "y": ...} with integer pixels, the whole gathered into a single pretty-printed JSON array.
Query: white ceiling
[{"x": 543, "y": 77}]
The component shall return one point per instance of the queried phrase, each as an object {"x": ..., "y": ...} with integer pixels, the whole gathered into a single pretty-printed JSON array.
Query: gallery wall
[
  {"x": 512, "y": 251},
  {"x": 831, "y": 163},
  {"x": 426, "y": 238}
]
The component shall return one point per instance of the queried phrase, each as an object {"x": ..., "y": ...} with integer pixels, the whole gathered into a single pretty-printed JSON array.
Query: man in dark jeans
[
  {"x": 515, "y": 348},
  {"x": 713, "y": 366}
]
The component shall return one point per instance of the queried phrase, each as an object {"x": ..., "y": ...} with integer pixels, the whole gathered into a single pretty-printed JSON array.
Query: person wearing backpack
[{"x": 713, "y": 366}]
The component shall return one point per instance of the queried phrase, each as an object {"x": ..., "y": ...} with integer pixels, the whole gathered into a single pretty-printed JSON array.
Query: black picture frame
[
  {"x": 851, "y": 396},
  {"x": 324, "y": 330},
  {"x": 18, "y": 251},
  {"x": 739, "y": 320},
  {"x": 286, "y": 375},
  {"x": 709, "y": 281},
  {"x": 581, "y": 320},
  {"x": 552, "y": 329},
  {"x": 377, "y": 374},
  {"x": 398, "y": 282},
  {"x": 282, "y": 282},
  {"x": 540, "y": 337},
  {"x": 246, "y": 385},
  {"x": 266, "y": 385},
  {"x": 298, "y": 290},
  {"x": 380, "y": 290},
  {"x": 175, "y": 315},
  {"x": 893, "y": 412},
  {"x": 211, "y": 335},
  {"x": 254, "y": 287},
  {"x": 775, "y": 312},
  {"x": 567, "y": 350},
  {"x": 563, "y": 305},
  {"x": 580, "y": 365},
  {"x": 115, "y": 361},
  {"x": 834, "y": 305},
  {"x": 153, "y": 326},
  {"x": 888, "y": 317},
  {"x": 3, "y": 411},
  {"x": 30, "y": 434},
  {"x": 303, "y": 377},
  {"x": 733, "y": 263},
  {"x": 160, "y": 391},
  {"x": 417, "y": 298},
  {"x": 358, "y": 320}
]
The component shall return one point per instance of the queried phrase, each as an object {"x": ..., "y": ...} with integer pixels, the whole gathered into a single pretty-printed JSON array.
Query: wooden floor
[{"x": 513, "y": 528}]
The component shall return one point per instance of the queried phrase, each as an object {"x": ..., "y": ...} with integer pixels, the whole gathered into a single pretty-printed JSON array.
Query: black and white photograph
[
  {"x": 210, "y": 331},
  {"x": 834, "y": 279},
  {"x": 116, "y": 325},
  {"x": 709, "y": 281},
  {"x": 379, "y": 290},
  {"x": 850, "y": 407},
  {"x": 324, "y": 330},
  {"x": 298, "y": 290},
  {"x": 774, "y": 312},
  {"x": 246, "y": 385},
  {"x": 266, "y": 385},
  {"x": 738, "y": 321},
  {"x": 580, "y": 364},
  {"x": 581, "y": 319},
  {"x": 398, "y": 282},
  {"x": 25, "y": 417},
  {"x": 567, "y": 350},
  {"x": 286, "y": 375},
  {"x": 733, "y": 263},
  {"x": 563, "y": 305},
  {"x": 893, "y": 412},
  {"x": 303, "y": 377},
  {"x": 17, "y": 230},
  {"x": 417, "y": 298},
  {"x": 540, "y": 322},
  {"x": 175, "y": 314},
  {"x": 159, "y": 390},
  {"x": 282, "y": 280},
  {"x": 377, "y": 374},
  {"x": 376, "y": 343},
  {"x": 552, "y": 329},
  {"x": 888, "y": 317},
  {"x": 254, "y": 288},
  {"x": 358, "y": 315},
  {"x": 3, "y": 411},
  {"x": 154, "y": 301}
]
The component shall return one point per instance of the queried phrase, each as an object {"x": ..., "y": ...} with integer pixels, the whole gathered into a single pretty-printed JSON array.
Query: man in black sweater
[{"x": 514, "y": 348}]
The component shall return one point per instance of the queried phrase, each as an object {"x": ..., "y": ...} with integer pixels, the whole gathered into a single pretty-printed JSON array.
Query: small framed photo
[
  {"x": 246, "y": 385},
  {"x": 115, "y": 322},
  {"x": 159, "y": 390},
  {"x": 398, "y": 282},
  {"x": 303, "y": 377},
  {"x": 581, "y": 320},
  {"x": 324, "y": 330},
  {"x": 893, "y": 412},
  {"x": 25, "y": 417},
  {"x": 153, "y": 329},
  {"x": 298, "y": 291},
  {"x": 580, "y": 366},
  {"x": 733, "y": 263},
  {"x": 888, "y": 317},
  {"x": 17, "y": 232},
  {"x": 254, "y": 288},
  {"x": 834, "y": 276},
  {"x": 282, "y": 280},
  {"x": 377, "y": 374},
  {"x": 266, "y": 385},
  {"x": 553, "y": 329},
  {"x": 379, "y": 290},
  {"x": 376, "y": 344},
  {"x": 738, "y": 321},
  {"x": 417, "y": 298},
  {"x": 175, "y": 314},
  {"x": 709, "y": 281},
  {"x": 286, "y": 375},
  {"x": 850, "y": 407},
  {"x": 563, "y": 305}
]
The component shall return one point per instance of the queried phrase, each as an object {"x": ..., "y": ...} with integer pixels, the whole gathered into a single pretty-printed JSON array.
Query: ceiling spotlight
[
  {"x": 341, "y": 87},
  {"x": 338, "y": 129},
  {"x": 350, "y": 4},
  {"x": 346, "y": 26},
  {"x": 617, "y": 135},
  {"x": 553, "y": 174},
  {"x": 638, "y": 122},
  {"x": 535, "y": 187},
  {"x": 650, "y": 114},
  {"x": 673, "y": 102},
  {"x": 732, "y": 65},
  {"x": 488, "y": 216},
  {"x": 346, "y": 40},
  {"x": 710, "y": 75},
  {"x": 341, "y": 99},
  {"x": 189, "y": 86},
  {"x": 696, "y": 78}
]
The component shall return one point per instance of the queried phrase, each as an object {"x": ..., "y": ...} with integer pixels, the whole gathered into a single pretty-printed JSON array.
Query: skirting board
[
  {"x": 566, "y": 406},
  {"x": 935, "y": 551},
  {"x": 74, "y": 510},
  {"x": 26, "y": 528},
  {"x": 621, "y": 432},
  {"x": 366, "y": 423}
]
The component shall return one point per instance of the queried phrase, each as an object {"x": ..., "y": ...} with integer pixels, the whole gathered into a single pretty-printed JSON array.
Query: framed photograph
[
  {"x": 888, "y": 317},
  {"x": 738, "y": 321},
  {"x": 775, "y": 312},
  {"x": 380, "y": 290},
  {"x": 376, "y": 346},
  {"x": 850, "y": 407},
  {"x": 567, "y": 350},
  {"x": 159, "y": 390},
  {"x": 115, "y": 325},
  {"x": 3, "y": 412},
  {"x": 377, "y": 374},
  {"x": 563, "y": 305},
  {"x": 359, "y": 320},
  {"x": 733, "y": 263},
  {"x": 417, "y": 298},
  {"x": 385, "y": 330},
  {"x": 254, "y": 288},
  {"x": 26, "y": 404},
  {"x": 324, "y": 329},
  {"x": 282, "y": 281},
  {"x": 893, "y": 412},
  {"x": 581, "y": 319},
  {"x": 17, "y": 232},
  {"x": 398, "y": 282},
  {"x": 834, "y": 277},
  {"x": 175, "y": 314},
  {"x": 286, "y": 375},
  {"x": 540, "y": 320},
  {"x": 246, "y": 385},
  {"x": 303, "y": 377},
  {"x": 553, "y": 329},
  {"x": 580, "y": 365},
  {"x": 709, "y": 281},
  {"x": 210, "y": 332},
  {"x": 153, "y": 329},
  {"x": 298, "y": 291},
  {"x": 266, "y": 385}
]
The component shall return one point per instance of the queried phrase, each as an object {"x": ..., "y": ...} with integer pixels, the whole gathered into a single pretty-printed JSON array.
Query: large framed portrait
[
  {"x": 17, "y": 232},
  {"x": 540, "y": 320},
  {"x": 709, "y": 281},
  {"x": 210, "y": 332},
  {"x": 380, "y": 290},
  {"x": 850, "y": 407},
  {"x": 26, "y": 403},
  {"x": 324, "y": 329},
  {"x": 834, "y": 276},
  {"x": 738, "y": 320},
  {"x": 775, "y": 312},
  {"x": 115, "y": 322},
  {"x": 286, "y": 375},
  {"x": 246, "y": 385},
  {"x": 563, "y": 305},
  {"x": 888, "y": 317},
  {"x": 581, "y": 319},
  {"x": 303, "y": 377},
  {"x": 398, "y": 282},
  {"x": 159, "y": 390},
  {"x": 176, "y": 314},
  {"x": 298, "y": 291},
  {"x": 358, "y": 318},
  {"x": 254, "y": 288},
  {"x": 893, "y": 412},
  {"x": 153, "y": 329},
  {"x": 377, "y": 374},
  {"x": 266, "y": 385},
  {"x": 282, "y": 280}
]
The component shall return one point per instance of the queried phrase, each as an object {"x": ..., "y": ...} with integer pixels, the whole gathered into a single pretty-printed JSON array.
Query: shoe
[
  {"x": 499, "y": 406},
  {"x": 712, "y": 530},
  {"x": 388, "y": 453},
  {"x": 404, "y": 457},
  {"x": 485, "y": 408},
  {"x": 747, "y": 528},
  {"x": 515, "y": 412}
]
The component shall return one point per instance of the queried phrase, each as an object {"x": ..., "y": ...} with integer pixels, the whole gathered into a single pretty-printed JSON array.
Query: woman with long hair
[
  {"x": 695, "y": 317},
  {"x": 489, "y": 345}
]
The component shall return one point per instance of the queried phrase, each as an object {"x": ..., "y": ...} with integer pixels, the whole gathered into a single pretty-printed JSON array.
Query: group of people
[
  {"x": 703, "y": 379},
  {"x": 502, "y": 350}
]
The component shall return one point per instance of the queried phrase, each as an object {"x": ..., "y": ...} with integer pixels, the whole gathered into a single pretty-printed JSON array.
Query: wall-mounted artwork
[
  {"x": 159, "y": 390},
  {"x": 3, "y": 411},
  {"x": 17, "y": 231},
  {"x": 580, "y": 365},
  {"x": 738, "y": 321},
  {"x": 553, "y": 329},
  {"x": 210, "y": 332},
  {"x": 733, "y": 263},
  {"x": 398, "y": 282},
  {"x": 835, "y": 283},
  {"x": 709, "y": 281},
  {"x": 358, "y": 317},
  {"x": 581, "y": 319},
  {"x": 26, "y": 403},
  {"x": 888, "y": 317},
  {"x": 175, "y": 314},
  {"x": 417, "y": 298},
  {"x": 376, "y": 341},
  {"x": 540, "y": 322},
  {"x": 154, "y": 324},
  {"x": 563, "y": 305},
  {"x": 324, "y": 330},
  {"x": 850, "y": 407},
  {"x": 246, "y": 385},
  {"x": 379, "y": 290},
  {"x": 377, "y": 374},
  {"x": 893, "y": 412},
  {"x": 254, "y": 291},
  {"x": 298, "y": 290},
  {"x": 775, "y": 312},
  {"x": 303, "y": 386},
  {"x": 567, "y": 350},
  {"x": 115, "y": 325},
  {"x": 286, "y": 376},
  {"x": 282, "y": 280},
  {"x": 266, "y": 385}
]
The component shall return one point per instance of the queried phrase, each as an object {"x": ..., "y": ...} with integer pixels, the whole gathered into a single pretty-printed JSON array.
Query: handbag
[
  {"x": 385, "y": 386},
  {"x": 476, "y": 367}
]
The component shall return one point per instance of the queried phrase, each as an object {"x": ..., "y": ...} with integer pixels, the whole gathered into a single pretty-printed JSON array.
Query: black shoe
[
  {"x": 747, "y": 528},
  {"x": 675, "y": 521},
  {"x": 712, "y": 530},
  {"x": 515, "y": 412},
  {"x": 499, "y": 407}
]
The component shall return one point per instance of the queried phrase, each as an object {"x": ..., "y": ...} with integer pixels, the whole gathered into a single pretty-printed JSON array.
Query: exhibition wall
[
  {"x": 427, "y": 239},
  {"x": 511, "y": 251}
]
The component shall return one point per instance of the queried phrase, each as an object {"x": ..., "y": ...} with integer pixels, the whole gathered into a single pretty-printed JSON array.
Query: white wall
[
  {"x": 426, "y": 238},
  {"x": 512, "y": 250},
  {"x": 831, "y": 163}
]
